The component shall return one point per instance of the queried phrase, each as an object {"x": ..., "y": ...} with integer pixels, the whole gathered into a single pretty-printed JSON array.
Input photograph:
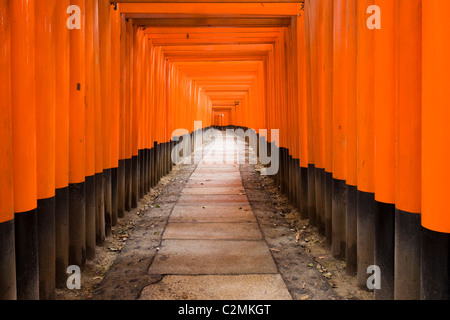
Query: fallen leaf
[
  {"x": 310, "y": 265},
  {"x": 305, "y": 297},
  {"x": 157, "y": 206}
]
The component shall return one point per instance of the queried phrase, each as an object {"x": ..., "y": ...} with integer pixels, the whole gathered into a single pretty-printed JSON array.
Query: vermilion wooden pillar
[
  {"x": 365, "y": 142},
  {"x": 435, "y": 152},
  {"x": 407, "y": 249},
  {"x": 23, "y": 102},
  {"x": 7, "y": 243},
  {"x": 45, "y": 16},
  {"x": 77, "y": 161},
  {"x": 62, "y": 74}
]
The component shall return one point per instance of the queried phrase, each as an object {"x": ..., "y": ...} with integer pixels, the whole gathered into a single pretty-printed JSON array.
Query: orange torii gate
[{"x": 88, "y": 114}]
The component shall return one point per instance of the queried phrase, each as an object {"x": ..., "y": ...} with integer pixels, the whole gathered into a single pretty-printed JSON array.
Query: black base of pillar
[
  {"x": 171, "y": 146},
  {"x": 283, "y": 170},
  {"x": 77, "y": 224},
  {"x": 146, "y": 171},
  {"x": 90, "y": 217},
  {"x": 134, "y": 182},
  {"x": 338, "y": 246},
  {"x": 407, "y": 255},
  {"x": 121, "y": 189},
  {"x": 159, "y": 162},
  {"x": 435, "y": 261},
  {"x": 114, "y": 197},
  {"x": 304, "y": 194},
  {"x": 298, "y": 186},
  {"x": 320, "y": 199},
  {"x": 351, "y": 230},
  {"x": 8, "y": 264},
  {"x": 141, "y": 173},
  {"x": 99, "y": 209},
  {"x": 365, "y": 235},
  {"x": 312, "y": 215},
  {"x": 61, "y": 236},
  {"x": 128, "y": 183},
  {"x": 27, "y": 265},
  {"x": 46, "y": 247},
  {"x": 294, "y": 181},
  {"x": 384, "y": 249},
  {"x": 166, "y": 158},
  {"x": 328, "y": 207},
  {"x": 107, "y": 191},
  {"x": 152, "y": 168}
]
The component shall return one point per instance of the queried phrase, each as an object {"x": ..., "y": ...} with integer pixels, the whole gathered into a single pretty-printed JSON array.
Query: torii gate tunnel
[{"x": 92, "y": 90}]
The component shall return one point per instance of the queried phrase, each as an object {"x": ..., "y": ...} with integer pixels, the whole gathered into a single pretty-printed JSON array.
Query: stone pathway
[{"x": 212, "y": 246}]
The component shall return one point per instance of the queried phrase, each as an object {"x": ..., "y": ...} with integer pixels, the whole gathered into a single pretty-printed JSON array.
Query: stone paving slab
[
  {"x": 212, "y": 257},
  {"x": 208, "y": 183},
  {"x": 214, "y": 190},
  {"x": 216, "y": 177},
  {"x": 225, "y": 166},
  {"x": 218, "y": 287},
  {"x": 212, "y": 231},
  {"x": 211, "y": 199},
  {"x": 214, "y": 169},
  {"x": 217, "y": 173},
  {"x": 212, "y": 214}
]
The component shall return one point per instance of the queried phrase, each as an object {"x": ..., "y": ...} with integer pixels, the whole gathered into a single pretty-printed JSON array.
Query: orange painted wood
[
  {"x": 62, "y": 77},
  {"x": 385, "y": 103},
  {"x": 435, "y": 115},
  {"x": 23, "y": 102},
  {"x": 115, "y": 87},
  {"x": 352, "y": 123},
  {"x": 90, "y": 90},
  {"x": 45, "y": 50},
  {"x": 327, "y": 12},
  {"x": 309, "y": 88},
  {"x": 340, "y": 91},
  {"x": 6, "y": 152},
  {"x": 409, "y": 114},
  {"x": 98, "y": 118},
  {"x": 104, "y": 18},
  {"x": 302, "y": 87},
  {"x": 365, "y": 100},
  {"x": 77, "y": 100}
]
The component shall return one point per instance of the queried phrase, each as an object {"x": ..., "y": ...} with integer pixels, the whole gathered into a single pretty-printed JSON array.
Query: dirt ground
[
  {"x": 305, "y": 261},
  {"x": 301, "y": 255},
  {"x": 95, "y": 270}
]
